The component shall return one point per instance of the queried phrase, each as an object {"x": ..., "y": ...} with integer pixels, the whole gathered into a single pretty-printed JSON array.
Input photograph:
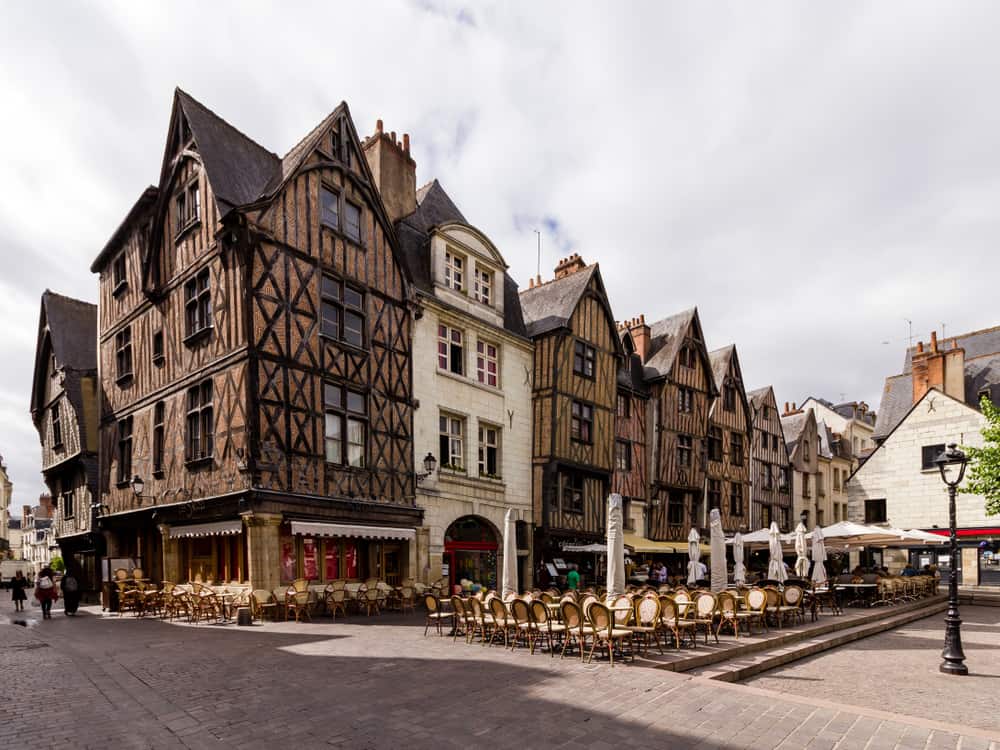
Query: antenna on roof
[
  {"x": 942, "y": 332},
  {"x": 539, "y": 271},
  {"x": 910, "y": 334}
]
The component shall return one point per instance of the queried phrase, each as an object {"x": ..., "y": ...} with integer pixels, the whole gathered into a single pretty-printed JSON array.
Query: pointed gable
[
  {"x": 67, "y": 332},
  {"x": 726, "y": 364},
  {"x": 667, "y": 337},
  {"x": 551, "y": 305}
]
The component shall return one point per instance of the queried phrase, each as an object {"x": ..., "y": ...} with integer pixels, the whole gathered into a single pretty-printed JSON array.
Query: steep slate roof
[
  {"x": 73, "y": 328},
  {"x": 976, "y": 344},
  {"x": 434, "y": 207},
  {"x": 551, "y": 305},
  {"x": 791, "y": 428},
  {"x": 720, "y": 359},
  {"x": 238, "y": 168},
  {"x": 665, "y": 341},
  {"x": 897, "y": 398},
  {"x": 145, "y": 202},
  {"x": 630, "y": 375},
  {"x": 758, "y": 396}
]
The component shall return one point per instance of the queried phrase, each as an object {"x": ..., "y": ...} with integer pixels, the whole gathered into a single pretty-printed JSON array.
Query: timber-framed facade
[
  {"x": 729, "y": 443},
  {"x": 771, "y": 477}
]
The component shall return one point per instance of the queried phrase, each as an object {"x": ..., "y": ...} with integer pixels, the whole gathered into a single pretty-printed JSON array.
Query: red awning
[{"x": 988, "y": 531}]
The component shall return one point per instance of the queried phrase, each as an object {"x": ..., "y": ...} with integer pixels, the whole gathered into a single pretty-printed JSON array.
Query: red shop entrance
[{"x": 470, "y": 552}]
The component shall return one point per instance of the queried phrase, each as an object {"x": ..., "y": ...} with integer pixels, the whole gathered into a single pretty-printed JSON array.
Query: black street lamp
[
  {"x": 953, "y": 655},
  {"x": 430, "y": 463}
]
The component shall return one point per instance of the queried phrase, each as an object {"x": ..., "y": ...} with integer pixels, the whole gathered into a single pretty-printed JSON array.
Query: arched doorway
[{"x": 470, "y": 552}]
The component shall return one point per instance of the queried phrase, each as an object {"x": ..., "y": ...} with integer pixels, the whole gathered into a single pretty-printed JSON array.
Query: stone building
[
  {"x": 64, "y": 409},
  {"x": 38, "y": 538},
  {"x": 853, "y": 421},
  {"x": 933, "y": 402},
  {"x": 471, "y": 362},
  {"x": 770, "y": 476},
  {"x": 802, "y": 440},
  {"x": 6, "y": 492}
]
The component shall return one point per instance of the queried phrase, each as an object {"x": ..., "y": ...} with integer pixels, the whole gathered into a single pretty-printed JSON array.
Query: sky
[{"x": 811, "y": 176}]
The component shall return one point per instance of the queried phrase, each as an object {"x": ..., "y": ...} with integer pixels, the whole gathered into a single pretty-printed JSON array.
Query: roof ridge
[
  {"x": 309, "y": 135},
  {"x": 224, "y": 121},
  {"x": 982, "y": 356},
  {"x": 586, "y": 269},
  {"x": 966, "y": 335},
  {"x": 50, "y": 293}
]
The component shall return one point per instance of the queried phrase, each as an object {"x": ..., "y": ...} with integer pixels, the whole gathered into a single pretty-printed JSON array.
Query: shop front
[
  {"x": 470, "y": 553},
  {"x": 323, "y": 552},
  {"x": 209, "y": 552}
]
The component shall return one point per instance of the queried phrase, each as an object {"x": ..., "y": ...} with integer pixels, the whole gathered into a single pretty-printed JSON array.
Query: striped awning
[
  {"x": 218, "y": 528},
  {"x": 310, "y": 528}
]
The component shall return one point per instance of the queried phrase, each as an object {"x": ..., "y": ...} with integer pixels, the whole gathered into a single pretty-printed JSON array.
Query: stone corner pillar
[
  {"x": 263, "y": 549},
  {"x": 171, "y": 555}
]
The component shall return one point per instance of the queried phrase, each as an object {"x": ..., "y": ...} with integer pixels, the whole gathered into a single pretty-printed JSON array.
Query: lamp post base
[{"x": 953, "y": 654}]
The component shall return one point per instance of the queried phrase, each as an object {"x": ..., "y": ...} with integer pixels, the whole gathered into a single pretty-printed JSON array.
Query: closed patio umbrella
[
  {"x": 616, "y": 548},
  {"x": 775, "y": 566},
  {"x": 718, "y": 556},
  {"x": 739, "y": 569},
  {"x": 694, "y": 554},
  {"x": 801, "y": 558},
  {"x": 508, "y": 586},
  {"x": 819, "y": 556}
]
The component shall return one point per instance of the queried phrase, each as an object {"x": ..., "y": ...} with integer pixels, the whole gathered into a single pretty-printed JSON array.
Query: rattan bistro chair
[
  {"x": 704, "y": 616},
  {"x": 729, "y": 613},
  {"x": 673, "y": 622},
  {"x": 480, "y": 621},
  {"x": 297, "y": 602},
  {"x": 774, "y": 604},
  {"x": 502, "y": 621},
  {"x": 605, "y": 633},
  {"x": 791, "y": 604},
  {"x": 577, "y": 630},
  {"x": 546, "y": 628},
  {"x": 262, "y": 602},
  {"x": 647, "y": 621},
  {"x": 336, "y": 601},
  {"x": 435, "y": 615},
  {"x": 755, "y": 601},
  {"x": 525, "y": 626}
]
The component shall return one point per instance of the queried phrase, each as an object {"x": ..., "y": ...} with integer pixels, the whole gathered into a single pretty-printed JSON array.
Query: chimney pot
[
  {"x": 392, "y": 136},
  {"x": 406, "y": 142},
  {"x": 934, "y": 344},
  {"x": 920, "y": 347},
  {"x": 378, "y": 125},
  {"x": 539, "y": 281}
]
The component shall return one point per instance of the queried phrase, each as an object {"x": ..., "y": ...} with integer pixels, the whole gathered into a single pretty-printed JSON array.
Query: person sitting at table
[
  {"x": 573, "y": 578},
  {"x": 909, "y": 571},
  {"x": 858, "y": 570},
  {"x": 662, "y": 574}
]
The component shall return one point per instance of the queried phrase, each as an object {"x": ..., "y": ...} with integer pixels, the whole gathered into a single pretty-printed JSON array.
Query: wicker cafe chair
[
  {"x": 297, "y": 602},
  {"x": 480, "y": 621},
  {"x": 647, "y": 622},
  {"x": 673, "y": 622},
  {"x": 435, "y": 615},
  {"x": 577, "y": 630},
  {"x": 546, "y": 628},
  {"x": 791, "y": 604},
  {"x": 525, "y": 626},
  {"x": 774, "y": 604},
  {"x": 336, "y": 601},
  {"x": 704, "y": 617},
  {"x": 262, "y": 602},
  {"x": 463, "y": 618},
  {"x": 605, "y": 633},
  {"x": 585, "y": 603},
  {"x": 502, "y": 621},
  {"x": 755, "y": 603},
  {"x": 406, "y": 594},
  {"x": 622, "y": 616},
  {"x": 729, "y": 613}
]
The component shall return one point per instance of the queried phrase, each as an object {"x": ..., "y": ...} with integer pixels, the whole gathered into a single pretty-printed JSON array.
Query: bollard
[{"x": 243, "y": 616}]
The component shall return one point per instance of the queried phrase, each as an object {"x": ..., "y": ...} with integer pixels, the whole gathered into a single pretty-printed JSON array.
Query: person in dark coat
[
  {"x": 70, "y": 586},
  {"x": 17, "y": 586}
]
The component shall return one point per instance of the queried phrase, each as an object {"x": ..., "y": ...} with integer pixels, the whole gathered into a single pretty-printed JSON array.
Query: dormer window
[
  {"x": 687, "y": 356},
  {"x": 483, "y": 287},
  {"x": 188, "y": 206},
  {"x": 330, "y": 208},
  {"x": 454, "y": 271},
  {"x": 118, "y": 274},
  {"x": 352, "y": 221}
]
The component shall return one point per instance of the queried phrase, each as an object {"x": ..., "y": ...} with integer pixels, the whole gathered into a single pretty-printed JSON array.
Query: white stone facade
[
  {"x": 449, "y": 494},
  {"x": 916, "y": 497}
]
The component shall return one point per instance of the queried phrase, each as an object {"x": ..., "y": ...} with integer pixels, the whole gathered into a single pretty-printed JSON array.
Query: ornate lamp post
[
  {"x": 953, "y": 655},
  {"x": 430, "y": 463}
]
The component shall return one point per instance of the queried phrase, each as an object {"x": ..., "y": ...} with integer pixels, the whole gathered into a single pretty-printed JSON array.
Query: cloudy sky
[{"x": 809, "y": 176}]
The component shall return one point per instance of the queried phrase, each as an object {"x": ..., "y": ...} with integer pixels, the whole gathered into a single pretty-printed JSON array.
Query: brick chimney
[
  {"x": 932, "y": 367},
  {"x": 569, "y": 265},
  {"x": 791, "y": 409},
  {"x": 394, "y": 171},
  {"x": 639, "y": 330}
]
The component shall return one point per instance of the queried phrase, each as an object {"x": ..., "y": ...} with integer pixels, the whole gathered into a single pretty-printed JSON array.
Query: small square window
[
  {"x": 352, "y": 221},
  {"x": 329, "y": 208}
]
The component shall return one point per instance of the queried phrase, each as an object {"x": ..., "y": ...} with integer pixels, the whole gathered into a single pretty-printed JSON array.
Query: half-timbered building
[
  {"x": 630, "y": 478},
  {"x": 802, "y": 439},
  {"x": 64, "y": 405},
  {"x": 770, "y": 474},
  {"x": 678, "y": 373},
  {"x": 255, "y": 332},
  {"x": 574, "y": 379},
  {"x": 471, "y": 364},
  {"x": 728, "y": 447}
]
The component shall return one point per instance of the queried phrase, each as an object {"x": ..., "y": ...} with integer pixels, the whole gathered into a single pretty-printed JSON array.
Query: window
[
  {"x": 928, "y": 454},
  {"x": 200, "y": 425},
  {"x": 188, "y": 203},
  {"x": 198, "y": 304},
  {"x": 119, "y": 277},
  {"x": 624, "y": 405},
  {"x": 56, "y": 426},
  {"x": 123, "y": 353},
  {"x": 486, "y": 363},
  {"x": 343, "y": 312},
  {"x": 685, "y": 400},
  {"x": 714, "y": 444},
  {"x": 572, "y": 493},
  {"x": 352, "y": 221},
  {"x": 623, "y": 455},
  {"x": 159, "y": 412},
  {"x": 582, "y": 423},
  {"x": 783, "y": 519},
  {"x": 765, "y": 411},
  {"x": 451, "y": 351},
  {"x": 714, "y": 493},
  {"x": 735, "y": 499},
  {"x": 819, "y": 517},
  {"x": 345, "y": 428},
  {"x": 805, "y": 450},
  {"x": 489, "y": 451},
  {"x": 67, "y": 505},
  {"x": 627, "y": 521},
  {"x": 836, "y": 480},
  {"x": 729, "y": 397},
  {"x": 158, "y": 357},
  {"x": 783, "y": 479},
  {"x": 875, "y": 511},
  {"x": 684, "y": 443},
  {"x": 675, "y": 508},
  {"x": 329, "y": 208},
  {"x": 584, "y": 357},
  {"x": 451, "y": 443},
  {"x": 774, "y": 442},
  {"x": 766, "y": 476},
  {"x": 454, "y": 271},
  {"x": 765, "y": 516},
  {"x": 736, "y": 448},
  {"x": 687, "y": 357},
  {"x": 483, "y": 287},
  {"x": 124, "y": 450},
  {"x": 805, "y": 485}
]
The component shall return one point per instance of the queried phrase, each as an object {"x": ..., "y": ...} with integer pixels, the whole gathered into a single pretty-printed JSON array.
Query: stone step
[
  {"x": 735, "y": 670},
  {"x": 784, "y": 639}
]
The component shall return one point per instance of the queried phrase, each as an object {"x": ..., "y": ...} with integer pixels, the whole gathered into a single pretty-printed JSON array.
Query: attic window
[
  {"x": 352, "y": 221},
  {"x": 336, "y": 145},
  {"x": 118, "y": 275},
  {"x": 330, "y": 208},
  {"x": 483, "y": 287},
  {"x": 188, "y": 205},
  {"x": 687, "y": 357}
]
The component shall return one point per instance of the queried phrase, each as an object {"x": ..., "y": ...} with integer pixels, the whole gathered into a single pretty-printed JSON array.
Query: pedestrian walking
[
  {"x": 70, "y": 586},
  {"x": 17, "y": 586},
  {"x": 46, "y": 591}
]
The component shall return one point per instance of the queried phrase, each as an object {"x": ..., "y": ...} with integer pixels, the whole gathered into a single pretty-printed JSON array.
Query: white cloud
[{"x": 809, "y": 176}]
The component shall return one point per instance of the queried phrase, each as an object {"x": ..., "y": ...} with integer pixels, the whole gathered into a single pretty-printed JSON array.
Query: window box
[
  {"x": 453, "y": 469},
  {"x": 124, "y": 381},
  {"x": 194, "y": 463}
]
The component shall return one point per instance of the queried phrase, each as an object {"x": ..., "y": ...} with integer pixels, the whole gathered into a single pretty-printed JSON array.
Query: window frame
[
  {"x": 737, "y": 498},
  {"x": 623, "y": 406},
  {"x": 159, "y": 435},
  {"x": 482, "y": 278},
  {"x": 447, "y": 341},
  {"x": 581, "y": 429},
  {"x": 573, "y": 485},
  {"x": 455, "y": 273},
  {"x": 119, "y": 273},
  {"x": 685, "y": 451},
  {"x": 200, "y": 416},
  {"x": 449, "y": 439},
  {"x": 484, "y": 448},
  {"x": 583, "y": 355},
  {"x": 157, "y": 346},
  {"x": 123, "y": 354},
  {"x": 876, "y": 503},
  {"x": 623, "y": 455},
  {"x": 714, "y": 493},
  {"x": 68, "y": 505},
  {"x": 483, "y": 360},
  {"x": 344, "y": 415},
  {"x": 729, "y": 397},
  {"x": 198, "y": 319},
  {"x": 124, "y": 451},
  {"x": 324, "y": 189},
  {"x": 357, "y": 239},
  {"x": 737, "y": 449},
  {"x": 716, "y": 443},
  {"x": 676, "y": 509},
  {"x": 55, "y": 417},
  {"x": 926, "y": 465},
  {"x": 343, "y": 308},
  {"x": 685, "y": 400},
  {"x": 187, "y": 207}
]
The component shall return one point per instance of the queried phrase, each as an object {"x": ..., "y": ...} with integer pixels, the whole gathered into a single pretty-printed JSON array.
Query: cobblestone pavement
[
  {"x": 898, "y": 671},
  {"x": 96, "y": 682}
]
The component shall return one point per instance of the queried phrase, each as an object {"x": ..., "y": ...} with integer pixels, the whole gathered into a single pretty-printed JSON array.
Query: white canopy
[
  {"x": 776, "y": 565},
  {"x": 718, "y": 556},
  {"x": 508, "y": 586},
  {"x": 594, "y": 547},
  {"x": 848, "y": 532},
  {"x": 801, "y": 558},
  {"x": 616, "y": 548},
  {"x": 762, "y": 538},
  {"x": 694, "y": 553},
  {"x": 217, "y": 528},
  {"x": 739, "y": 569},
  {"x": 819, "y": 556},
  {"x": 309, "y": 528}
]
